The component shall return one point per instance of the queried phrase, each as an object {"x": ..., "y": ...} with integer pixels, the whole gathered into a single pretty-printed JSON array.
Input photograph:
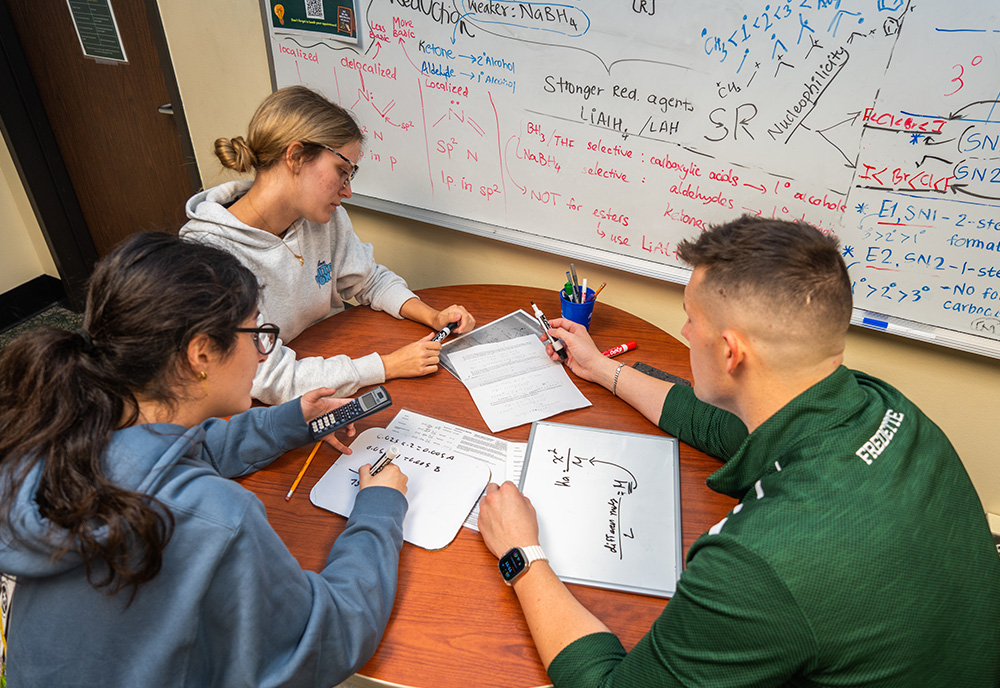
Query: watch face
[{"x": 512, "y": 564}]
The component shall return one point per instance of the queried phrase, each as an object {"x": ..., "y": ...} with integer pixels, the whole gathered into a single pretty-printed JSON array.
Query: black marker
[
  {"x": 385, "y": 460},
  {"x": 557, "y": 344},
  {"x": 448, "y": 329}
]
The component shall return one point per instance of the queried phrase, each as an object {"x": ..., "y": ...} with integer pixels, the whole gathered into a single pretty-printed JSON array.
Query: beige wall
[
  {"x": 25, "y": 255},
  {"x": 221, "y": 64}
]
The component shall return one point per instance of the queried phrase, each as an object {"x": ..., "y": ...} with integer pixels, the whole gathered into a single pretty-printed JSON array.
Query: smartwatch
[{"x": 517, "y": 560}]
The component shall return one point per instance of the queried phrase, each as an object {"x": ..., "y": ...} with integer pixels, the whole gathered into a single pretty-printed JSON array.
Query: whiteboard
[
  {"x": 608, "y": 131},
  {"x": 608, "y": 506}
]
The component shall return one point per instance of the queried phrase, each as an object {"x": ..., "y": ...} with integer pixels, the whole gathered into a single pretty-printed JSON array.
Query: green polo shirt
[{"x": 859, "y": 555}]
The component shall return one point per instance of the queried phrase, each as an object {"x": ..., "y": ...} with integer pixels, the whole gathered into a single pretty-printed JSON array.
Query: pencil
[
  {"x": 603, "y": 284},
  {"x": 303, "y": 471}
]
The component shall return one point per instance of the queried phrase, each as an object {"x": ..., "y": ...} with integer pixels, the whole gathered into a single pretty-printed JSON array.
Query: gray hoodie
[
  {"x": 230, "y": 606},
  {"x": 337, "y": 267}
]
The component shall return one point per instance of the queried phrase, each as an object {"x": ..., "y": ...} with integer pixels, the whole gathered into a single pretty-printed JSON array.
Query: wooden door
[{"x": 125, "y": 159}]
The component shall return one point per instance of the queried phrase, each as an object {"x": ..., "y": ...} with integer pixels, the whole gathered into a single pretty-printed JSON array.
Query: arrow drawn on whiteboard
[
  {"x": 632, "y": 485},
  {"x": 931, "y": 141},
  {"x": 402, "y": 46},
  {"x": 961, "y": 114},
  {"x": 524, "y": 190},
  {"x": 932, "y": 157},
  {"x": 850, "y": 121},
  {"x": 367, "y": 96},
  {"x": 960, "y": 189}
]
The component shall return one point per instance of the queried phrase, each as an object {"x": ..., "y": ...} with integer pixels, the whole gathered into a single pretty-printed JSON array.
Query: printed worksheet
[
  {"x": 505, "y": 459},
  {"x": 515, "y": 382}
]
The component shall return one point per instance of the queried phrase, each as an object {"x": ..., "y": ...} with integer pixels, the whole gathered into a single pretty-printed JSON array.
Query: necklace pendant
[{"x": 302, "y": 260}]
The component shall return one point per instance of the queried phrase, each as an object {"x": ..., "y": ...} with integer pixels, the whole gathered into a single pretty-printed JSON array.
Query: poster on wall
[{"x": 331, "y": 18}]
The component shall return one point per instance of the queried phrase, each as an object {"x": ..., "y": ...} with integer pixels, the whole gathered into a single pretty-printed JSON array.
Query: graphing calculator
[{"x": 365, "y": 405}]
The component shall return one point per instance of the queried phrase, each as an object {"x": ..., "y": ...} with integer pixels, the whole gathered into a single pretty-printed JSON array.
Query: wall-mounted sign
[
  {"x": 331, "y": 17},
  {"x": 97, "y": 29}
]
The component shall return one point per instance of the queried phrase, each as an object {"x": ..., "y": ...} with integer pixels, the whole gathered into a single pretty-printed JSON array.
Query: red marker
[{"x": 620, "y": 349}]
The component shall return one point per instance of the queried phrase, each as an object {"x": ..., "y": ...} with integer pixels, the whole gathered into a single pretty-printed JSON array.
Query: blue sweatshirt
[{"x": 230, "y": 606}]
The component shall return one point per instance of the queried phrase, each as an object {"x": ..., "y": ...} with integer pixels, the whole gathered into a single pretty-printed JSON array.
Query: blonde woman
[{"x": 289, "y": 228}]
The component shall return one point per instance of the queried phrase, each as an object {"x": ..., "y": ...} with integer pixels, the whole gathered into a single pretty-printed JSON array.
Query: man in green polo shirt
[{"x": 859, "y": 553}]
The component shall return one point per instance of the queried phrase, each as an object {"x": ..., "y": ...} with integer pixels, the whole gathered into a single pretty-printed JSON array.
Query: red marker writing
[{"x": 620, "y": 349}]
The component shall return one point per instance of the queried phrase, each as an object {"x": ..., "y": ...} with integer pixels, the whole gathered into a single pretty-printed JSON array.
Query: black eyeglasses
[
  {"x": 354, "y": 167},
  {"x": 265, "y": 337}
]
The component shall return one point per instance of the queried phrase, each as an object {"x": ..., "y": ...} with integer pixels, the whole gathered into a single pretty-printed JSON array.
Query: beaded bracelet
[{"x": 614, "y": 385}]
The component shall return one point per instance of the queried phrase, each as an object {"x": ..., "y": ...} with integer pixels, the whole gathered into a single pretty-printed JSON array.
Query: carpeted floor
[{"x": 54, "y": 316}]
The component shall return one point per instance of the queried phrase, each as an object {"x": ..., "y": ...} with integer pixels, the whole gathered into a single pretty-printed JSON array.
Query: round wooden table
[{"x": 455, "y": 623}]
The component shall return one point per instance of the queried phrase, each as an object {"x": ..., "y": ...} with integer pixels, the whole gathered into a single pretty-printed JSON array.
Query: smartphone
[{"x": 365, "y": 405}]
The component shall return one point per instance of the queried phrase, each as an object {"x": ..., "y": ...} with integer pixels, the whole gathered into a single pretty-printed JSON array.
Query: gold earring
[{"x": 203, "y": 376}]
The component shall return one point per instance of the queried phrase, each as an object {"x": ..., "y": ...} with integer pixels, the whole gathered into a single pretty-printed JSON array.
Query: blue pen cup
[{"x": 578, "y": 312}]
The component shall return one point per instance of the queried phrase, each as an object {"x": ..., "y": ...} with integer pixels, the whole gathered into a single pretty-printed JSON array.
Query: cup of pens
[{"x": 578, "y": 305}]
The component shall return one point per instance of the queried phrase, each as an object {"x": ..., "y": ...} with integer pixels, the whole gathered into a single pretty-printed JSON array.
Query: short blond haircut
[{"x": 290, "y": 114}]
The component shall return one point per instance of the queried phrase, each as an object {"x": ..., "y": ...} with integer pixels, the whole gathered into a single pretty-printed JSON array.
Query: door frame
[{"x": 28, "y": 135}]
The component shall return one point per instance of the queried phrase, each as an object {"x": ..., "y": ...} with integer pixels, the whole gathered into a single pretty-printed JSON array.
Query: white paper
[
  {"x": 510, "y": 326},
  {"x": 515, "y": 382},
  {"x": 505, "y": 459},
  {"x": 442, "y": 489}
]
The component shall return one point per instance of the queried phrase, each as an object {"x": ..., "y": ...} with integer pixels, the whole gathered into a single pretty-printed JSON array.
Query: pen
[
  {"x": 445, "y": 331},
  {"x": 568, "y": 290},
  {"x": 557, "y": 344},
  {"x": 576, "y": 282},
  {"x": 620, "y": 349},
  {"x": 298, "y": 478},
  {"x": 583, "y": 291},
  {"x": 598, "y": 291},
  {"x": 385, "y": 460}
]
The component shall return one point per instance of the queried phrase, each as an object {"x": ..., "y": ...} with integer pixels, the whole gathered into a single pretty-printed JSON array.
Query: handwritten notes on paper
[
  {"x": 515, "y": 382},
  {"x": 448, "y": 467},
  {"x": 504, "y": 458},
  {"x": 608, "y": 506},
  {"x": 443, "y": 486}
]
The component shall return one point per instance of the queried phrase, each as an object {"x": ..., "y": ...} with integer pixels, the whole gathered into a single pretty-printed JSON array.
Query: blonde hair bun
[
  {"x": 289, "y": 115},
  {"x": 235, "y": 154}
]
